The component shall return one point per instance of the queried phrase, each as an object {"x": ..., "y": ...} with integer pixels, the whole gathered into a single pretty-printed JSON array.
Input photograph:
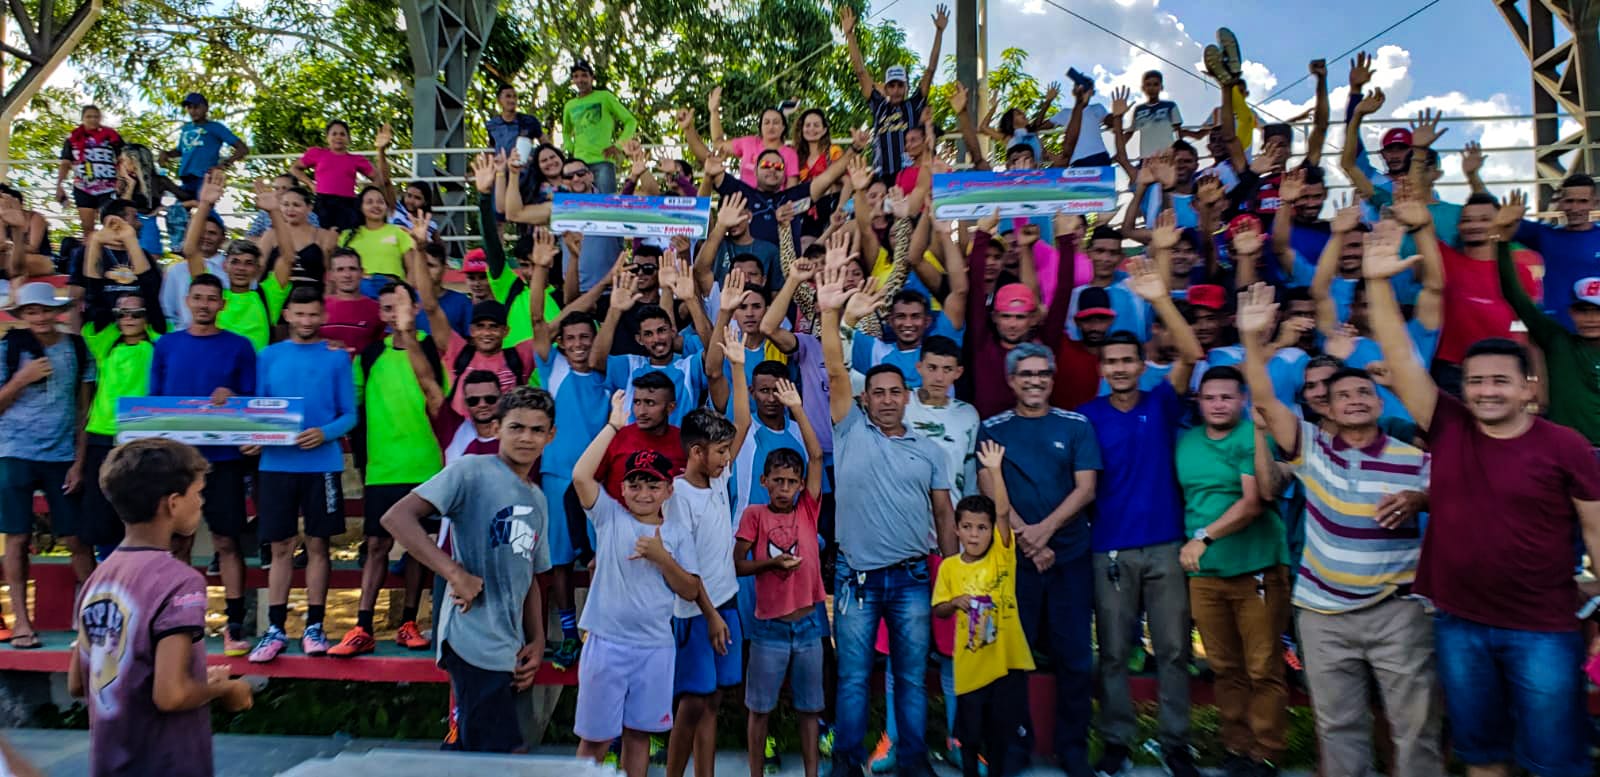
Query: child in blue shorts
[
  {"x": 643, "y": 564},
  {"x": 777, "y": 542}
]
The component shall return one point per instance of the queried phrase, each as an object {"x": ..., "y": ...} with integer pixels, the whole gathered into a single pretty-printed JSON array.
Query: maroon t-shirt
[
  {"x": 1499, "y": 545},
  {"x": 630, "y": 439},
  {"x": 357, "y": 323},
  {"x": 136, "y": 598}
]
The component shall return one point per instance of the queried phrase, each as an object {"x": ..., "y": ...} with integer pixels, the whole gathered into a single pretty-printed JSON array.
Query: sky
[{"x": 1459, "y": 56}]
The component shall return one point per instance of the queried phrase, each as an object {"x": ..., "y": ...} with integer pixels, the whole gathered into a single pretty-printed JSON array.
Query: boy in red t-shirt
[{"x": 777, "y": 542}]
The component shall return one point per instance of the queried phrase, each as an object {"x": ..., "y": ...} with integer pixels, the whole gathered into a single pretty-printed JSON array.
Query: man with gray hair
[{"x": 1052, "y": 463}]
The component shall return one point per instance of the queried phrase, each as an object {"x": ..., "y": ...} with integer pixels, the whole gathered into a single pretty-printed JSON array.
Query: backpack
[
  {"x": 22, "y": 340},
  {"x": 464, "y": 358}
]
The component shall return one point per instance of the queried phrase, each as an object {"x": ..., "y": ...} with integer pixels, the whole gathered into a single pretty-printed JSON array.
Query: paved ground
[{"x": 66, "y": 754}]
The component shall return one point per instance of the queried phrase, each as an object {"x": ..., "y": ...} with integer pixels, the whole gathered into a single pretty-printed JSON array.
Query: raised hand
[
  {"x": 803, "y": 270},
  {"x": 733, "y": 345},
  {"x": 1052, "y": 92},
  {"x": 731, "y": 212},
  {"x": 714, "y": 100},
  {"x": 421, "y": 227},
  {"x": 1292, "y": 186},
  {"x": 1145, "y": 281},
  {"x": 991, "y": 455},
  {"x": 619, "y": 410},
  {"x": 1165, "y": 172},
  {"x": 1425, "y": 129},
  {"x": 266, "y": 196},
  {"x": 860, "y": 138},
  {"x": 831, "y": 293},
  {"x": 1319, "y": 68},
  {"x": 860, "y": 174},
  {"x": 483, "y": 173},
  {"x": 941, "y": 16},
  {"x": 1346, "y": 218},
  {"x": 1371, "y": 103},
  {"x": 1258, "y": 310},
  {"x": 544, "y": 248},
  {"x": 1408, "y": 208},
  {"x": 784, "y": 215},
  {"x": 1380, "y": 259},
  {"x": 685, "y": 119},
  {"x": 649, "y": 547},
  {"x": 866, "y": 300},
  {"x": 1121, "y": 98},
  {"x": 623, "y": 293},
  {"x": 714, "y": 166},
  {"x": 215, "y": 184},
  {"x": 847, "y": 20},
  {"x": 405, "y": 312},
  {"x": 1360, "y": 71},
  {"x": 1512, "y": 211},
  {"x": 513, "y": 162},
  {"x": 840, "y": 249},
  {"x": 1472, "y": 157},
  {"x": 1028, "y": 235},
  {"x": 788, "y": 395},
  {"x": 1247, "y": 238},
  {"x": 958, "y": 98},
  {"x": 1060, "y": 224},
  {"x": 1341, "y": 342},
  {"x": 1165, "y": 236},
  {"x": 990, "y": 223},
  {"x": 385, "y": 137},
  {"x": 682, "y": 278},
  {"x": 732, "y": 291}
]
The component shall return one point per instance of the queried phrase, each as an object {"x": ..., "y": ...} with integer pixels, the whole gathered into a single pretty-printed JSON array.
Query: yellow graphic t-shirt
[{"x": 989, "y": 638}]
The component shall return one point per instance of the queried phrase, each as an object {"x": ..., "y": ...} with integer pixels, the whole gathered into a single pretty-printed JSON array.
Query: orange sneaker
[
  {"x": 356, "y": 642},
  {"x": 5, "y": 631},
  {"x": 410, "y": 637}
]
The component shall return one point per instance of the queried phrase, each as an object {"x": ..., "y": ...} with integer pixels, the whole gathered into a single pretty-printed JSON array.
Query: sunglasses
[
  {"x": 130, "y": 312},
  {"x": 769, "y": 166},
  {"x": 576, "y": 173},
  {"x": 644, "y": 269},
  {"x": 481, "y": 400}
]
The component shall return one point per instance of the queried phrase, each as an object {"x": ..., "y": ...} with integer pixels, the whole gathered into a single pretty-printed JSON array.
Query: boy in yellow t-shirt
[{"x": 991, "y": 652}]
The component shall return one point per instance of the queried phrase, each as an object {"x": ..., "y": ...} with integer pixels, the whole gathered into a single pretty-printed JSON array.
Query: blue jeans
[
  {"x": 1055, "y": 608},
  {"x": 947, "y": 684},
  {"x": 605, "y": 177},
  {"x": 1514, "y": 693},
  {"x": 900, "y": 595}
]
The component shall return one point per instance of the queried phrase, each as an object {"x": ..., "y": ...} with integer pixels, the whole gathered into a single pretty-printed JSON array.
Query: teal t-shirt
[{"x": 1209, "y": 472}]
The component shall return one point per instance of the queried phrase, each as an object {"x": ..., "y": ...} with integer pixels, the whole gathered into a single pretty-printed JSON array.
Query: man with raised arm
[
  {"x": 894, "y": 496},
  {"x": 895, "y": 107},
  {"x": 1497, "y": 557},
  {"x": 1358, "y": 618}
]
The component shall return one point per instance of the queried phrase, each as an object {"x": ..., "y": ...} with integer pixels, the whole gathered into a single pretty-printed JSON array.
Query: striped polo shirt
[{"x": 1351, "y": 562}]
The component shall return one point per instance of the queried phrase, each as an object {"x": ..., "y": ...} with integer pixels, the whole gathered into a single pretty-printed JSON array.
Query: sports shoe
[
  {"x": 882, "y": 759},
  {"x": 1138, "y": 661},
  {"x": 215, "y": 567},
  {"x": 1229, "y": 44},
  {"x": 565, "y": 656},
  {"x": 410, "y": 637},
  {"x": 232, "y": 646},
  {"x": 1114, "y": 762},
  {"x": 314, "y": 642},
  {"x": 356, "y": 642},
  {"x": 658, "y": 750},
  {"x": 5, "y": 631},
  {"x": 1216, "y": 66},
  {"x": 770, "y": 762},
  {"x": 825, "y": 740},
  {"x": 1180, "y": 763},
  {"x": 271, "y": 645}
]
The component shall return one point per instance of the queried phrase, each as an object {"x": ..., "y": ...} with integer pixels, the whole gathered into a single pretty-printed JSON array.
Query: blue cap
[{"x": 194, "y": 98}]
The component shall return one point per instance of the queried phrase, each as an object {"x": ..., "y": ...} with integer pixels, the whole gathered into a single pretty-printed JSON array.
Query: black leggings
[{"x": 987, "y": 720}]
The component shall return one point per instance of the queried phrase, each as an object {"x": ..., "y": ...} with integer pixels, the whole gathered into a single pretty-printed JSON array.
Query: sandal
[{"x": 28, "y": 641}]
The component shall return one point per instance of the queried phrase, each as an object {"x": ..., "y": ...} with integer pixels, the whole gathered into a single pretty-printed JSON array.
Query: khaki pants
[
  {"x": 1241, "y": 620},
  {"x": 1390, "y": 642}
]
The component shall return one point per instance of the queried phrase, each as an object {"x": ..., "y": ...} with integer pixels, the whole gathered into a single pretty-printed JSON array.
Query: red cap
[
  {"x": 1399, "y": 136},
  {"x": 652, "y": 464},
  {"x": 1243, "y": 221},
  {"x": 475, "y": 261},
  {"x": 1015, "y": 298},
  {"x": 1207, "y": 295}
]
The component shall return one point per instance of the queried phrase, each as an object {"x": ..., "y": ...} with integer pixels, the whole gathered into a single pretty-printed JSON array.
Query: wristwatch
[{"x": 1201, "y": 535}]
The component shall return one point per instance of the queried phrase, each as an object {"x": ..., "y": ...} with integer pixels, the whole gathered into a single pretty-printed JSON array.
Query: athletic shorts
[
  {"x": 19, "y": 478},
  {"x": 623, "y": 686},
  {"x": 486, "y": 708},
  {"x": 225, "y": 511},
  {"x": 376, "y": 500},
  {"x": 698, "y": 669},
  {"x": 283, "y": 497},
  {"x": 98, "y": 523},
  {"x": 83, "y": 199},
  {"x": 786, "y": 648},
  {"x": 339, "y": 213}
]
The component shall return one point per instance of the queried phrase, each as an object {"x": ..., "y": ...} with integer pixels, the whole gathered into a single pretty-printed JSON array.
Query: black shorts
[
  {"x": 487, "y": 719},
  {"x": 376, "y": 500},
  {"x": 83, "y": 199},
  {"x": 98, "y": 523},
  {"x": 225, "y": 509},
  {"x": 340, "y": 213},
  {"x": 283, "y": 497}
]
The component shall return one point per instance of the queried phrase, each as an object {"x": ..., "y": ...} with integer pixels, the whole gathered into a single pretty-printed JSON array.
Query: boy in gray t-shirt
[
  {"x": 492, "y": 642},
  {"x": 642, "y": 566}
]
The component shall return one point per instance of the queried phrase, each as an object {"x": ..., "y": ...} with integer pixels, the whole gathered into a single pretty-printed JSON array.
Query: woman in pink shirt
[
  {"x": 335, "y": 182},
  {"x": 774, "y": 125}
]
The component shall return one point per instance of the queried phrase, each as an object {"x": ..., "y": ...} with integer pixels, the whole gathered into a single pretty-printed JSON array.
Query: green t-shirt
[
  {"x": 244, "y": 314},
  {"x": 1208, "y": 471},
  {"x": 121, "y": 371},
  {"x": 1572, "y": 364},
  {"x": 401, "y": 446},
  {"x": 594, "y": 122},
  {"x": 383, "y": 250},
  {"x": 518, "y": 317}
]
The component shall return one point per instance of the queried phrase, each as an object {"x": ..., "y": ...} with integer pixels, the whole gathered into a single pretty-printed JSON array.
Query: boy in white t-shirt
[{"x": 642, "y": 566}]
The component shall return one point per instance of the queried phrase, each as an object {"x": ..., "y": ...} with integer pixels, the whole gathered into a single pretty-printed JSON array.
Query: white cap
[
  {"x": 1587, "y": 290},
  {"x": 37, "y": 293},
  {"x": 896, "y": 73}
]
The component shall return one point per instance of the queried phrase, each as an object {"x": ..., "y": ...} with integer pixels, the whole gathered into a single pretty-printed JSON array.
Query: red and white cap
[{"x": 1587, "y": 291}]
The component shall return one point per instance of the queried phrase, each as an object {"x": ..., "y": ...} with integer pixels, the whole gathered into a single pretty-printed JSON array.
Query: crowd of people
[{"x": 998, "y": 447}]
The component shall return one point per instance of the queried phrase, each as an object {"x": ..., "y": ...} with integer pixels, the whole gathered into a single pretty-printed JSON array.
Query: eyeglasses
[
  {"x": 130, "y": 312},
  {"x": 644, "y": 269},
  {"x": 1033, "y": 374},
  {"x": 481, "y": 400}
]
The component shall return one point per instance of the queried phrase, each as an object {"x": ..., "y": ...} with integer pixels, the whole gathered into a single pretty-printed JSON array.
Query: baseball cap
[
  {"x": 1242, "y": 221},
  {"x": 1207, "y": 295},
  {"x": 1094, "y": 301},
  {"x": 1015, "y": 298},
  {"x": 895, "y": 73},
  {"x": 582, "y": 64},
  {"x": 1399, "y": 136},
  {"x": 37, "y": 293},
  {"x": 475, "y": 261},
  {"x": 1586, "y": 291},
  {"x": 194, "y": 98},
  {"x": 489, "y": 310},
  {"x": 651, "y": 464}
]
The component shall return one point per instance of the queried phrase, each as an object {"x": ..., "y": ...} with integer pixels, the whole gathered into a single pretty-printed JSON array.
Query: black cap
[
  {"x": 582, "y": 64},
  {"x": 651, "y": 464},
  {"x": 1094, "y": 301},
  {"x": 489, "y": 310},
  {"x": 194, "y": 98}
]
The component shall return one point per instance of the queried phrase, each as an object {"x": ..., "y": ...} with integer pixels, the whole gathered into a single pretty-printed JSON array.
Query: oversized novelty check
[
  {"x": 194, "y": 420},
  {"x": 973, "y": 195},
  {"x": 628, "y": 215}
]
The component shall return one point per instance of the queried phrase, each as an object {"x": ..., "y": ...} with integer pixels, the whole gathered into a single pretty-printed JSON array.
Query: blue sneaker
[{"x": 272, "y": 643}]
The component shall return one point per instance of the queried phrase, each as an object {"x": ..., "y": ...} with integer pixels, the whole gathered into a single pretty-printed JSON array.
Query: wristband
[{"x": 613, "y": 427}]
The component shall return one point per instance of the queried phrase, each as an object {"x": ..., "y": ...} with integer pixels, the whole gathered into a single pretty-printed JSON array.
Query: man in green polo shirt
[
  {"x": 251, "y": 304},
  {"x": 399, "y": 385},
  {"x": 1237, "y": 561}
]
